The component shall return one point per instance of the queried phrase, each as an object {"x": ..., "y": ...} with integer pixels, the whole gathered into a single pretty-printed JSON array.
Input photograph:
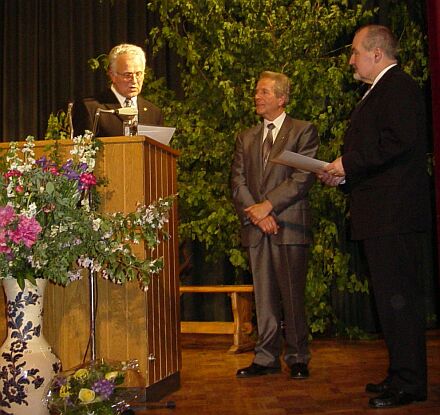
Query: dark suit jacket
[
  {"x": 83, "y": 114},
  {"x": 285, "y": 187},
  {"x": 384, "y": 159}
]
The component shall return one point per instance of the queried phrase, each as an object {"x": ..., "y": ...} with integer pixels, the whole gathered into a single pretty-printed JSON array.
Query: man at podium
[{"x": 102, "y": 114}]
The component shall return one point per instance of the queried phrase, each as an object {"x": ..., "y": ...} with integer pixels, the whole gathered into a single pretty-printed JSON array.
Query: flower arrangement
[
  {"x": 51, "y": 227},
  {"x": 95, "y": 388}
]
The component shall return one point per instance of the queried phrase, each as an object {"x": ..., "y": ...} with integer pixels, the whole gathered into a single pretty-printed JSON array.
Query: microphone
[
  {"x": 69, "y": 118},
  {"x": 131, "y": 111},
  {"x": 128, "y": 111}
]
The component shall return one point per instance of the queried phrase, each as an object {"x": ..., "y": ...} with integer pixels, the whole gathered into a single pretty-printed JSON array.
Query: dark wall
[{"x": 44, "y": 53}]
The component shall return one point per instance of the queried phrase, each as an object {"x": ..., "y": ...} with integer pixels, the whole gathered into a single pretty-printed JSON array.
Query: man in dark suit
[
  {"x": 383, "y": 167},
  {"x": 126, "y": 71},
  {"x": 271, "y": 202}
]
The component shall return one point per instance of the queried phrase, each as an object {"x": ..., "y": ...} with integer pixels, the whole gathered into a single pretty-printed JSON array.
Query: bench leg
[{"x": 242, "y": 312}]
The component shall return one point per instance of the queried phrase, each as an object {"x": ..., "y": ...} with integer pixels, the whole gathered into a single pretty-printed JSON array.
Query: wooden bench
[{"x": 241, "y": 302}]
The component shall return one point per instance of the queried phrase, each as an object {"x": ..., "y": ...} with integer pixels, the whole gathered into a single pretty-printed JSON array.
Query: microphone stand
[
  {"x": 95, "y": 121},
  {"x": 69, "y": 118},
  {"x": 93, "y": 291},
  {"x": 93, "y": 288}
]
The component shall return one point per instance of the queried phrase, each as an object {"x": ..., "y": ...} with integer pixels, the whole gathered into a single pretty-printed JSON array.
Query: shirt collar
[
  {"x": 382, "y": 73},
  {"x": 278, "y": 122},
  {"x": 121, "y": 98}
]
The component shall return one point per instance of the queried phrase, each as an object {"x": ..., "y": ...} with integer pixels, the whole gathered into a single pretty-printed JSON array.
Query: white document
[
  {"x": 161, "y": 134},
  {"x": 289, "y": 158}
]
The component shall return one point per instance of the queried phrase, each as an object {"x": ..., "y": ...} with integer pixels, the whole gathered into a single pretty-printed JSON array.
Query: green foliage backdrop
[{"x": 222, "y": 46}]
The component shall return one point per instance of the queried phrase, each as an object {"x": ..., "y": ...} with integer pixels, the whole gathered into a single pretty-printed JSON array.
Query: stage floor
[{"x": 339, "y": 370}]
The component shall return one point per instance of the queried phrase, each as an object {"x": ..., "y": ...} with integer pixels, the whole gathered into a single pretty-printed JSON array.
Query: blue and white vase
[{"x": 27, "y": 363}]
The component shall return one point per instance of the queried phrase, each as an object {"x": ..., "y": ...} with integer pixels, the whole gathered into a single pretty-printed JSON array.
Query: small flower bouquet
[
  {"x": 95, "y": 388},
  {"x": 51, "y": 226}
]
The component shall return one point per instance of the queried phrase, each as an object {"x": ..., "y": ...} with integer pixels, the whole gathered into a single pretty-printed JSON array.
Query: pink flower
[
  {"x": 12, "y": 173},
  {"x": 27, "y": 231},
  {"x": 54, "y": 170},
  {"x": 87, "y": 180},
  {"x": 7, "y": 214},
  {"x": 19, "y": 188},
  {"x": 4, "y": 248}
]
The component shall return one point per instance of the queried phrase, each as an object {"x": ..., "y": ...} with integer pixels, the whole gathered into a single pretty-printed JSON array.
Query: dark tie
[
  {"x": 267, "y": 145},
  {"x": 127, "y": 102}
]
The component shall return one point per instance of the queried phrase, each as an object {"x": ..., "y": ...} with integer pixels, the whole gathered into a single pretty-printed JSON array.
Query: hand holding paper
[{"x": 331, "y": 174}]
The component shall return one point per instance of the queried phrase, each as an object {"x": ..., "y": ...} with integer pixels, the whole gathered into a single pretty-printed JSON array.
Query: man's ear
[{"x": 378, "y": 54}]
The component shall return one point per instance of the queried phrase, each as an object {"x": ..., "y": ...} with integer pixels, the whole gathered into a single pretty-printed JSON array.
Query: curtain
[
  {"x": 44, "y": 53},
  {"x": 433, "y": 14}
]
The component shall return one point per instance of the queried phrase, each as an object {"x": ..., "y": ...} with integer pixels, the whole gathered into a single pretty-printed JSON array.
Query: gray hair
[
  {"x": 282, "y": 84},
  {"x": 126, "y": 49},
  {"x": 379, "y": 36}
]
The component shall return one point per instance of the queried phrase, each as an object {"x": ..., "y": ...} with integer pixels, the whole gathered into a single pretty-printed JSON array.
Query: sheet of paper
[
  {"x": 161, "y": 134},
  {"x": 299, "y": 161}
]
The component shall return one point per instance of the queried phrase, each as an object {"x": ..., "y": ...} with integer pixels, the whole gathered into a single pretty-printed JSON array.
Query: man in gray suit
[
  {"x": 271, "y": 202},
  {"x": 126, "y": 72}
]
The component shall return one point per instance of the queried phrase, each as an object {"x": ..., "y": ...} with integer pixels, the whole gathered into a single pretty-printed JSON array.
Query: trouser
[
  {"x": 395, "y": 263},
  {"x": 279, "y": 277}
]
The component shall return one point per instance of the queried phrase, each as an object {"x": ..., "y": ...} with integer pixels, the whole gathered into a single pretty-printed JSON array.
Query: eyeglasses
[{"x": 127, "y": 76}]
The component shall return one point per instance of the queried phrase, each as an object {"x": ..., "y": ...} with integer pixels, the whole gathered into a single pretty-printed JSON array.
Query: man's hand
[
  {"x": 268, "y": 225},
  {"x": 333, "y": 174},
  {"x": 335, "y": 168},
  {"x": 259, "y": 211}
]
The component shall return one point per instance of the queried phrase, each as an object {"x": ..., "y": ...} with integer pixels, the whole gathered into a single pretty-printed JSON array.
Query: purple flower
[
  {"x": 7, "y": 214},
  {"x": 43, "y": 162},
  {"x": 82, "y": 167},
  {"x": 27, "y": 231},
  {"x": 103, "y": 388},
  {"x": 69, "y": 171}
]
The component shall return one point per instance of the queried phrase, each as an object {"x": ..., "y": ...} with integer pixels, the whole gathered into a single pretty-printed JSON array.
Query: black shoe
[
  {"x": 299, "y": 371},
  {"x": 378, "y": 387},
  {"x": 394, "y": 397},
  {"x": 256, "y": 370}
]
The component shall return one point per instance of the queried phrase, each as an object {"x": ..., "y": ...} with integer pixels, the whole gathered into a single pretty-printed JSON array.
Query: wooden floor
[{"x": 339, "y": 371}]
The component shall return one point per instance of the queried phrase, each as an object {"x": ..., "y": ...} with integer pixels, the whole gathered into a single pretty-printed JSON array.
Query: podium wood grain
[{"x": 130, "y": 323}]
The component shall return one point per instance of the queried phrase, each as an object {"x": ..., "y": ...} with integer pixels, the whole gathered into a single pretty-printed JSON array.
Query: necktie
[
  {"x": 267, "y": 144},
  {"x": 127, "y": 102}
]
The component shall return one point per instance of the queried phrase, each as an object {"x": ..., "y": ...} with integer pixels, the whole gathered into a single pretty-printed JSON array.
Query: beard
[{"x": 356, "y": 76}]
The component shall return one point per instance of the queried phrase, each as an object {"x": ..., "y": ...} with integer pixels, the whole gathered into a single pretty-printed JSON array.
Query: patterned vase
[{"x": 27, "y": 363}]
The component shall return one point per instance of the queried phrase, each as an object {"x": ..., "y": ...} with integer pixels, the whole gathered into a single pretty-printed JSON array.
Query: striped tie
[{"x": 267, "y": 144}]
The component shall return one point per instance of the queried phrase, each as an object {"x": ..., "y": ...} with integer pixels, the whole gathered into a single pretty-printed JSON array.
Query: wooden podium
[{"x": 130, "y": 323}]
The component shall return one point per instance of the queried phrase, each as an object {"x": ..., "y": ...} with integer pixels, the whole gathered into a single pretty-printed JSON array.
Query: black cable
[{"x": 152, "y": 405}]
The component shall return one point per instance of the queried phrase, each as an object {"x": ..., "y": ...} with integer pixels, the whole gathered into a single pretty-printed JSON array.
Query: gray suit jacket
[
  {"x": 285, "y": 187},
  {"x": 110, "y": 125}
]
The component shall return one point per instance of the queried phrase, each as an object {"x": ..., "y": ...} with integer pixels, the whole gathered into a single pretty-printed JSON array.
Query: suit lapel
[{"x": 256, "y": 150}]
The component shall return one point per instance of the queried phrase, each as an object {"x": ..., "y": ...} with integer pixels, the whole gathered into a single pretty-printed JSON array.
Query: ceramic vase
[{"x": 27, "y": 363}]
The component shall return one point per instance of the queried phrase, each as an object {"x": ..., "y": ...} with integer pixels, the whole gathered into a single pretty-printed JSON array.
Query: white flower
[
  {"x": 32, "y": 210},
  {"x": 96, "y": 224}
]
